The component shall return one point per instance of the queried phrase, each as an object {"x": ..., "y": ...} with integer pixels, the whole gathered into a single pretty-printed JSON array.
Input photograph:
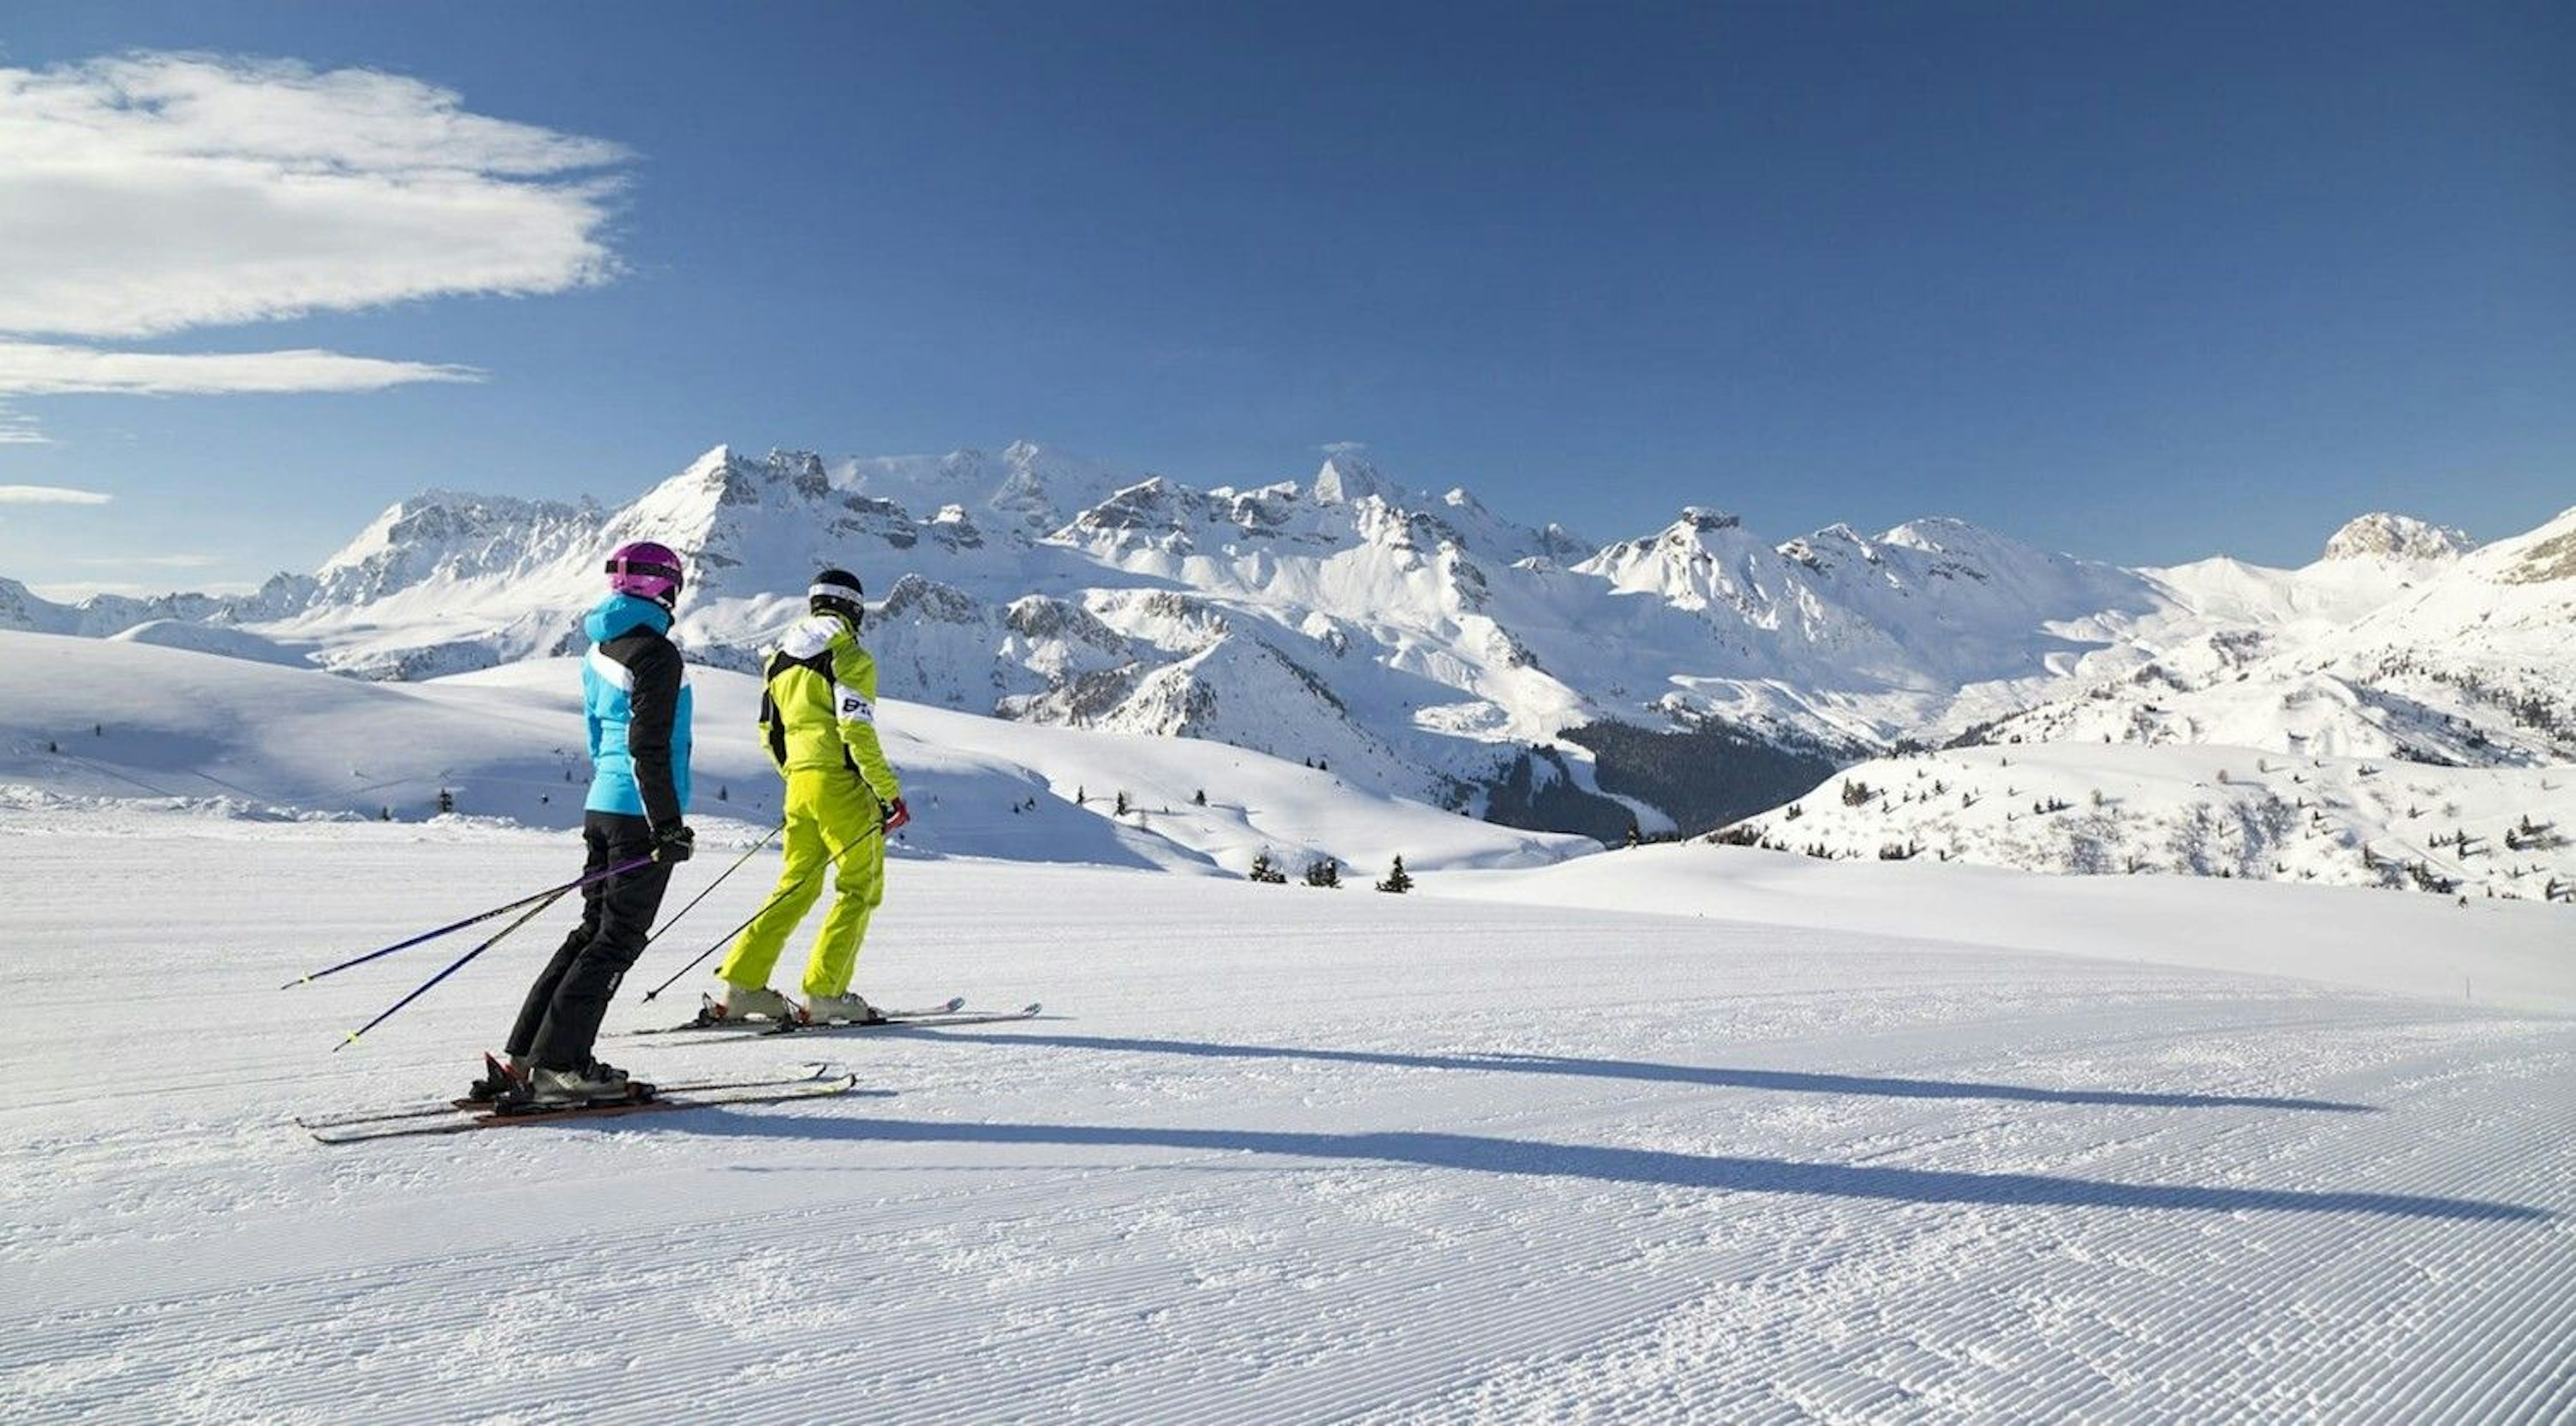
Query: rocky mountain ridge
[{"x": 1421, "y": 645}]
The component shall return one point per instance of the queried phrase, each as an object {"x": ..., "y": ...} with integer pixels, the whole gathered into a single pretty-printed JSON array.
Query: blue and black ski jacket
[{"x": 635, "y": 692}]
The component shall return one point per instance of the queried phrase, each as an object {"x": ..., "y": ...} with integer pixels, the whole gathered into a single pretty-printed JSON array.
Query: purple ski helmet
[{"x": 645, "y": 569}]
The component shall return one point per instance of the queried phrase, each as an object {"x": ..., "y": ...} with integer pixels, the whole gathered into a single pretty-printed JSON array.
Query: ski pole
[
  {"x": 711, "y": 886},
  {"x": 774, "y": 898},
  {"x": 532, "y": 913},
  {"x": 548, "y": 895}
]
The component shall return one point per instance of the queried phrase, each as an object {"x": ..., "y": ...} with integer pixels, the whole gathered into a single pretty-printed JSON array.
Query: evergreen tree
[
  {"x": 723, "y": 794},
  {"x": 1266, "y": 870},
  {"x": 1396, "y": 880},
  {"x": 446, "y": 801},
  {"x": 1201, "y": 798},
  {"x": 1122, "y": 802},
  {"x": 1324, "y": 871}
]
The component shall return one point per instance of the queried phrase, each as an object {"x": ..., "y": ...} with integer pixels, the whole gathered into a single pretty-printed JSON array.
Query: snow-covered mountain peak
[
  {"x": 2397, "y": 538},
  {"x": 446, "y": 536},
  {"x": 2546, "y": 555},
  {"x": 23, "y": 608},
  {"x": 1962, "y": 539},
  {"x": 1152, "y": 504},
  {"x": 1026, "y": 488},
  {"x": 1348, "y": 478}
]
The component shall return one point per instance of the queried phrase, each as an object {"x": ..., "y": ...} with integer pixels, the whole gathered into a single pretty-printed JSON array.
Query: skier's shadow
[
  {"x": 1472, "y": 1153},
  {"x": 1775, "y": 1081}
]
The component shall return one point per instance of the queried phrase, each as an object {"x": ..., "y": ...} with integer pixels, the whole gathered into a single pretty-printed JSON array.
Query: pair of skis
[
  {"x": 818, "y": 1081},
  {"x": 459, "y": 1116},
  {"x": 950, "y": 1012}
]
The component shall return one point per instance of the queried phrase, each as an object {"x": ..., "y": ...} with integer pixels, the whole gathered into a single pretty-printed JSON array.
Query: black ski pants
[{"x": 559, "y": 1022}]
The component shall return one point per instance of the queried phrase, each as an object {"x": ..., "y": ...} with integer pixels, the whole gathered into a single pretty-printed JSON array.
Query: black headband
[{"x": 649, "y": 569}]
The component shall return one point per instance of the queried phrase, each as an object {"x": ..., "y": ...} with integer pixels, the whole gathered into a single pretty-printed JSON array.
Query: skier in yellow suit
[{"x": 818, "y": 719}]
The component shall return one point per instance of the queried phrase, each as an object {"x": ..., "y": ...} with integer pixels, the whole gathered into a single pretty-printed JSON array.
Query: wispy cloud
[
  {"x": 50, "y": 495},
  {"x": 19, "y": 429},
  {"x": 156, "y": 193},
  {"x": 52, "y": 369},
  {"x": 154, "y": 562},
  {"x": 73, "y": 592}
]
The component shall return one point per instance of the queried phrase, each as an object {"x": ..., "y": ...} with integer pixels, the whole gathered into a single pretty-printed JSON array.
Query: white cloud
[
  {"x": 155, "y": 561},
  {"x": 154, "y": 193},
  {"x": 76, "y": 591},
  {"x": 49, "y": 369},
  {"x": 50, "y": 495},
  {"x": 19, "y": 429}
]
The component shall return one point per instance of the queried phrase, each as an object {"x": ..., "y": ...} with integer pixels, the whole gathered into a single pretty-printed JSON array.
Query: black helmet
[{"x": 837, "y": 591}]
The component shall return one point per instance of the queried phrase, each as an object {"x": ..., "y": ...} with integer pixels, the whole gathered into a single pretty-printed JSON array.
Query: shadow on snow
[
  {"x": 1778, "y": 1081},
  {"x": 1660, "y": 1168}
]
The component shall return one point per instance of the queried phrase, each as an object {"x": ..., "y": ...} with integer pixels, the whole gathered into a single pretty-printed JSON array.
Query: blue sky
[{"x": 2144, "y": 282}]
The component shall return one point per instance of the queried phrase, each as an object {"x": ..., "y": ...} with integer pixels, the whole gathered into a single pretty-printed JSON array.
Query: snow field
[
  {"x": 2202, "y": 811},
  {"x": 1276, "y": 1153},
  {"x": 502, "y": 741}
]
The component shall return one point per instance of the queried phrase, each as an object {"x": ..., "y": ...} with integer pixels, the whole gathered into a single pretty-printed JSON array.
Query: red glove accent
[{"x": 897, "y": 814}]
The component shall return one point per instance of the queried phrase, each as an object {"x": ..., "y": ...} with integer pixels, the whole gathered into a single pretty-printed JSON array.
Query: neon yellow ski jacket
[{"x": 819, "y": 708}]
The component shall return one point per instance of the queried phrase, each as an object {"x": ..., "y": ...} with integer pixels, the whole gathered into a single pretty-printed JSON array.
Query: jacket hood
[{"x": 623, "y": 614}]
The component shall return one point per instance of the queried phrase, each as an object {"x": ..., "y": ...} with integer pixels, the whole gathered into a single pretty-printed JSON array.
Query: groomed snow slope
[{"x": 1275, "y": 1154}]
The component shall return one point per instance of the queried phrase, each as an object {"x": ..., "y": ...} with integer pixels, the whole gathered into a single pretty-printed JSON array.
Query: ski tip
[
  {"x": 955, "y": 1004},
  {"x": 1031, "y": 1008}
]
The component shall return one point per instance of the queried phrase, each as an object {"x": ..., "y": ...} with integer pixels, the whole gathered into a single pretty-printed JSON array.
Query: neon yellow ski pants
[{"x": 831, "y": 821}]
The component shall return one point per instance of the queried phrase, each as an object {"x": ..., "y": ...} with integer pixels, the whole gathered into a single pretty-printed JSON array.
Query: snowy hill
[
  {"x": 233, "y": 737},
  {"x": 2427, "y": 654},
  {"x": 2198, "y": 810}
]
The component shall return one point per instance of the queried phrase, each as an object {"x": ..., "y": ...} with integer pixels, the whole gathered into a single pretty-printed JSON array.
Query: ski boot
[
  {"x": 739, "y": 1003},
  {"x": 502, "y": 1079},
  {"x": 594, "y": 1083},
  {"x": 839, "y": 1010}
]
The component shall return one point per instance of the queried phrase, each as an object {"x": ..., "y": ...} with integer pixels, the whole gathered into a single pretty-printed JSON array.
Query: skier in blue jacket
[{"x": 635, "y": 694}]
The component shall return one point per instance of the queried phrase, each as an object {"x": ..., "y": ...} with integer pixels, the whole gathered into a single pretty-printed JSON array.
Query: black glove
[
  {"x": 896, "y": 814},
  {"x": 674, "y": 844}
]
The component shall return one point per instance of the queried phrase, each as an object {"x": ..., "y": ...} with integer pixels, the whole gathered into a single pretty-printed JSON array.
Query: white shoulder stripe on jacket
[
  {"x": 617, "y": 675},
  {"x": 610, "y": 671},
  {"x": 809, "y": 637}
]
